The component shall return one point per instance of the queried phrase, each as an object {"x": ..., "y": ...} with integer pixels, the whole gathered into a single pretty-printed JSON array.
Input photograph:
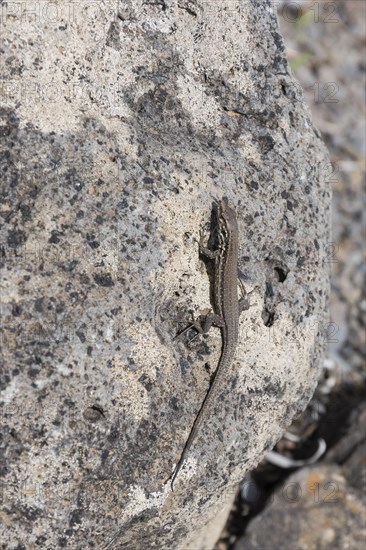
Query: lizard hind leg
[
  {"x": 210, "y": 320},
  {"x": 203, "y": 325},
  {"x": 196, "y": 325}
]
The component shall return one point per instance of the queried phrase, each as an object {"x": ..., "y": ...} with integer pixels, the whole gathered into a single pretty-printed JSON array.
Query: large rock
[{"x": 120, "y": 125}]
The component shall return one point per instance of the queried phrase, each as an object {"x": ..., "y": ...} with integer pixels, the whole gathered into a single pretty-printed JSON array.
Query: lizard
[{"x": 227, "y": 308}]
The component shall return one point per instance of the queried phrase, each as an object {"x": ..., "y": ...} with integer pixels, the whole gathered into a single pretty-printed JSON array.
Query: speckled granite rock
[{"x": 120, "y": 124}]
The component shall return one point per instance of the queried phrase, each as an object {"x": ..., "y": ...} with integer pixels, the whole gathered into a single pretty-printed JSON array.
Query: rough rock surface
[
  {"x": 120, "y": 124},
  {"x": 319, "y": 507},
  {"x": 315, "y": 508}
]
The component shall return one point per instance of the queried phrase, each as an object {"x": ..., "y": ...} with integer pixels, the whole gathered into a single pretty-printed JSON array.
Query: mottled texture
[
  {"x": 321, "y": 507},
  {"x": 119, "y": 127}
]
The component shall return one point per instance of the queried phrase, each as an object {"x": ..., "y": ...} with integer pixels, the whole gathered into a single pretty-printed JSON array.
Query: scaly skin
[{"x": 227, "y": 310}]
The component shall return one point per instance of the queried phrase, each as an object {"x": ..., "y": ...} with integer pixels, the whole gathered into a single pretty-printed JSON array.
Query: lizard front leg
[{"x": 244, "y": 301}]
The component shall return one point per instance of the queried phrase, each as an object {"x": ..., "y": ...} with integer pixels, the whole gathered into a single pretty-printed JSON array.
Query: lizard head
[
  {"x": 226, "y": 215},
  {"x": 226, "y": 221}
]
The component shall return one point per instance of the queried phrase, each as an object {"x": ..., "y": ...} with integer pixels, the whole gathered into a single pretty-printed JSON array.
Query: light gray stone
[
  {"x": 318, "y": 507},
  {"x": 121, "y": 123}
]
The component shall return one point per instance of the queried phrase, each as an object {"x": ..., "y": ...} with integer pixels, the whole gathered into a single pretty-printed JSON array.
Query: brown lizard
[{"x": 227, "y": 309}]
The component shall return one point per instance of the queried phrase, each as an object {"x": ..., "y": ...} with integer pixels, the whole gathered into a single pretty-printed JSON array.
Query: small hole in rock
[
  {"x": 268, "y": 317},
  {"x": 93, "y": 413},
  {"x": 282, "y": 274}
]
